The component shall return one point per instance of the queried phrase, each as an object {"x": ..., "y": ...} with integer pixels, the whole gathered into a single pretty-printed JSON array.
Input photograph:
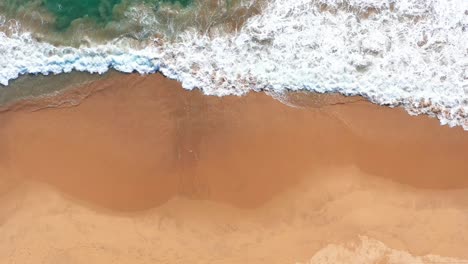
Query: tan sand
[{"x": 142, "y": 171}]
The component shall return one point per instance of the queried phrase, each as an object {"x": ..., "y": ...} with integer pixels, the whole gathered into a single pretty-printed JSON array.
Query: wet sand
[{"x": 135, "y": 169}]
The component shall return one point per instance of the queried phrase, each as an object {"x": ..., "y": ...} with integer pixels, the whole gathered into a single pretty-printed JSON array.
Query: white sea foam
[
  {"x": 412, "y": 53},
  {"x": 21, "y": 54},
  {"x": 371, "y": 251}
]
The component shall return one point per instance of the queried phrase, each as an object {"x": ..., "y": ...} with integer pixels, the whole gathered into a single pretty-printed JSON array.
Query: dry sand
[{"x": 135, "y": 169}]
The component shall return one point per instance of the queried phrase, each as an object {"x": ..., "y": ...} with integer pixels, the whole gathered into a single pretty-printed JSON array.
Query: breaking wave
[{"x": 410, "y": 53}]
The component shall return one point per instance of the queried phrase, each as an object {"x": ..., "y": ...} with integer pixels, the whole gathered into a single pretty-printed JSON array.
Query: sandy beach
[{"x": 135, "y": 169}]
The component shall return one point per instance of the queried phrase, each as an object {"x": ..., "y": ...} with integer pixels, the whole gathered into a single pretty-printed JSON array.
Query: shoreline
[{"x": 139, "y": 149}]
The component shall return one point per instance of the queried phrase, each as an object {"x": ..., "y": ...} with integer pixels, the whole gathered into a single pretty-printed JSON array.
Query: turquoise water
[
  {"x": 64, "y": 12},
  {"x": 78, "y": 22}
]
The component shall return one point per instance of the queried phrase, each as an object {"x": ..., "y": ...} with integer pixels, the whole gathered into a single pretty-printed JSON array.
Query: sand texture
[{"x": 135, "y": 169}]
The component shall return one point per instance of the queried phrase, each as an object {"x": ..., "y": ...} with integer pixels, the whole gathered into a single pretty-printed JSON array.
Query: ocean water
[{"x": 408, "y": 53}]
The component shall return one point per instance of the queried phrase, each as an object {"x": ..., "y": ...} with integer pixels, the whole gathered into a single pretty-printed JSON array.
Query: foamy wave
[
  {"x": 395, "y": 52},
  {"x": 371, "y": 251},
  {"x": 413, "y": 54},
  {"x": 23, "y": 55}
]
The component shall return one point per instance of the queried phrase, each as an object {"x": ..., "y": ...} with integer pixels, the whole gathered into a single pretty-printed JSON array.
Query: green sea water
[
  {"x": 66, "y": 11},
  {"x": 100, "y": 11},
  {"x": 81, "y": 22}
]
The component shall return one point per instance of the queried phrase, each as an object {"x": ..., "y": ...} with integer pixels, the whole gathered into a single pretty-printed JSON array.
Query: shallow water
[{"x": 32, "y": 86}]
